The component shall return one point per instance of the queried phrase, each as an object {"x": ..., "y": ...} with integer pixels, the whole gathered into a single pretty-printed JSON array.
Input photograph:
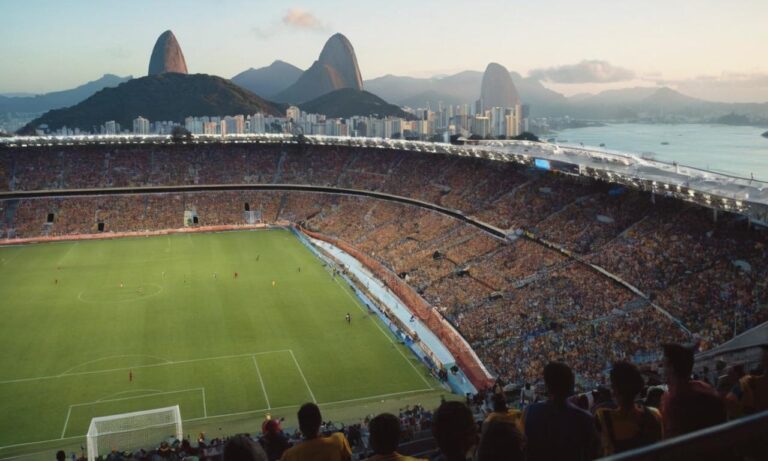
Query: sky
[{"x": 705, "y": 48}]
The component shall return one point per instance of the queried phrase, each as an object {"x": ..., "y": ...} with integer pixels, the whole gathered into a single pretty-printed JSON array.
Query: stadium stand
[{"x": 529, "y": 266}]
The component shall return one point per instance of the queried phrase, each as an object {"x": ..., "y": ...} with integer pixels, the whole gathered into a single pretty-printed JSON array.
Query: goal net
[{"x": 130, "y": 431}]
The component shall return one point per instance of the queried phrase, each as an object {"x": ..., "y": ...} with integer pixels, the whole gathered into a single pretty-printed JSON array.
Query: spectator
[
  {"x": 314, "y": 447},
  {"x": 385, "y": 437},
  {"x": 630, "y": 425},
  {"x": 689, "y": 405},
  {"x": 754, "y": 389},
  {"x": 242, "y": 448},
  {"x": 502, "y": 413},
  {"x": 61, "y": 456},
  {"x": 501, "y": 441},
  {"x": 455, "y": 432},
  {"x": 273, "y": 441},
  {"x": 556, "y": 429}
]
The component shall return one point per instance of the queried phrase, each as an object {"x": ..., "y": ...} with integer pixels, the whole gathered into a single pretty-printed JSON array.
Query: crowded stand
[{"x": 518, "y": 301}]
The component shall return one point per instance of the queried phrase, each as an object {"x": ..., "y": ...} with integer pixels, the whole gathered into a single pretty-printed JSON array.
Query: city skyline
[{"x": 703, "y": 52}]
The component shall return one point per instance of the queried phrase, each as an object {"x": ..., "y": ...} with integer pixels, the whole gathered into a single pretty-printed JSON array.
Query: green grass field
[{"x": 222, "y": 348}]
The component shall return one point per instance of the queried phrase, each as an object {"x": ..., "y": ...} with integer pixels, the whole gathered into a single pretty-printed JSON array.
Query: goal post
[{"x": 130, "y": 431}]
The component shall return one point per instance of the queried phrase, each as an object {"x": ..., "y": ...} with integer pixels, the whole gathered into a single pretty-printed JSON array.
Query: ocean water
[{"x": 735, "y": 150}]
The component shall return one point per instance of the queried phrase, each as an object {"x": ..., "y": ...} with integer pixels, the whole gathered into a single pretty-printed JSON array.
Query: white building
[{"x": 140, "y": 125}]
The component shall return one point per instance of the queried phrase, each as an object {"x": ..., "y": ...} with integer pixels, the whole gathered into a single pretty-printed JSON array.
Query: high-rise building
[
  {"x": 110, "y": 127},
  {"x": 140, "y": 125}
]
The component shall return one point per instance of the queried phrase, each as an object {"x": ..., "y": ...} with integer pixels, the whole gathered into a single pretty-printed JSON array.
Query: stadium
[{"x": 238, "y": 277}]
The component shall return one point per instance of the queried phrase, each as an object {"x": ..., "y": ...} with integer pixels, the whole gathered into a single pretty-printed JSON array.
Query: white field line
[
  {"x": 166, "y": 361},
  {"x": 132, "y": 391},
  {"x": 388, "y": 336},
  {"x": 205, "y": 405},
  {"x": 261, "y": 381},
  {"x": 153, "y": 365},
  {"x": 322, "y": 404},
  {"x": 303, "y": 377},
  {"x": 66, "y": 422},
  {"x": 225, "y": 415}
]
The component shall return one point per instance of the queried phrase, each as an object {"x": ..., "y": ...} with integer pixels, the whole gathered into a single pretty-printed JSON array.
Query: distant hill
[
  {"x": 168, "y": 96},
  {"x": 58, "y": 99},
  {"x": 336, "y": 68},
  {"x": 268, "y": 81},
  {"x": 348, "y": 102},
  {"x": 461, "y": 88}
]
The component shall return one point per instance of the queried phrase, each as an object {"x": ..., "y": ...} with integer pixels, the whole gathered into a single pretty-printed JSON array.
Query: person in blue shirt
[{"x": 557, "y": 430}]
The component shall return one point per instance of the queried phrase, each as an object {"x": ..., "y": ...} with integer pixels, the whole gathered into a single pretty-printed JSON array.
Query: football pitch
[{"x": 94, "y": 328}]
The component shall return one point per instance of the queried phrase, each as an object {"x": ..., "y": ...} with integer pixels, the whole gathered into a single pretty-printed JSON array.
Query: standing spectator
[
  {"x": 314, "y": 447},
  {"x": 455, "y": 431},
  {"x": 754, "y": 389},
  {"x": 272, "y": 440},
  {"x": 556, "y": 430},
  {"x": 630, "y": 425},
  {"x": 689, "y": 405},
  {"x": 501, "y": 441},
  {"x": 242, "y": 448},
  {"x": 502, "y": 413},
  {"x": 385, "y": 437}
]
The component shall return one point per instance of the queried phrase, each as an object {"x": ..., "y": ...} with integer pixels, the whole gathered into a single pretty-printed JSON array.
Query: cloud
[
  {"x": 302, "y": 19},
  {"x": 587, "y": 71}
]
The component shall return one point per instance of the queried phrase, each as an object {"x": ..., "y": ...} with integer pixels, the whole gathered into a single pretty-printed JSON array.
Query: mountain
[
  {"x": 167, "y": 56},
  {"x": 348, "y": 102},
  {"x": 270, "y": 80},
  {"x": 461, "y": 88},
  {"x": 169, "y": 96},
  {"x": 58, "y": 99},
  {"x": 497, "y": 89},
  {"x": 336, "y": 68}
]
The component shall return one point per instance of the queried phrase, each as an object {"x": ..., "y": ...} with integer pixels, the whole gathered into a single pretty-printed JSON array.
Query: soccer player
[
  {"x": 273, "y": 284},
  {"x": 130, "y": 376},
  {"x": 55, "y": 281},
  {"x": 235, "y": 276},
  {"x": 121, "y": 284},
  {"x": 349, "y": 318}
]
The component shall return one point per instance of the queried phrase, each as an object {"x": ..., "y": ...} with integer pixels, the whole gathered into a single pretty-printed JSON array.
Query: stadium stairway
[{"x": 6, "y": 227}]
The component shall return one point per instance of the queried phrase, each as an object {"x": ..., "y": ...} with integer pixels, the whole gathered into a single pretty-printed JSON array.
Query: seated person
[{"x": 314, "y": 447}]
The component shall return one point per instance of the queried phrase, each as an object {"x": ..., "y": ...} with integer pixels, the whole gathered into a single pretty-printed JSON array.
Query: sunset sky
[{"x": 706, "y": 48}]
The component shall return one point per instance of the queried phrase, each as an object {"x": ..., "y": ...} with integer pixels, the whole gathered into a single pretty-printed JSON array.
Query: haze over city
[{"x": 704, "y": 49}]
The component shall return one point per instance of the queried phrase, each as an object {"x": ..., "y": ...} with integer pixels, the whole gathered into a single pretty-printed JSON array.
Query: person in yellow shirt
[
  {"x": 315, "y": 447},
  {"x": 754, "y": 389},
  {"x": 503, "y": 414},
  {"x": 630, "y": 425},
  {"x": 385, "y": 437}
]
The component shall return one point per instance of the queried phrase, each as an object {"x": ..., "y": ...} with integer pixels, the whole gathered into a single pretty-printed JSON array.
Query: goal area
[{"x": 130, "y": 431}]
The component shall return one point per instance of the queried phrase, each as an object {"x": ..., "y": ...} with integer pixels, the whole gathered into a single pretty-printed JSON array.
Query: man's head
[
  {"x": 678, "y": 362},
  {"x": 499, "y": 403},
  {"x": 626, "y": 381},
  {"x": 310, "y": 420},
  {"x": 454, "y": 429},
  {"x": 385, "y": 433},
  {"x": 501, "y": 441},
  {"x": 60, "y": 455},
  {"x": 559, "y": 380},
  {"x": 242, "y": 448}
]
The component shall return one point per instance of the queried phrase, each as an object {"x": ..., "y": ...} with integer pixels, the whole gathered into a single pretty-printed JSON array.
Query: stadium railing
[{"x": 744, "y": 438}]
